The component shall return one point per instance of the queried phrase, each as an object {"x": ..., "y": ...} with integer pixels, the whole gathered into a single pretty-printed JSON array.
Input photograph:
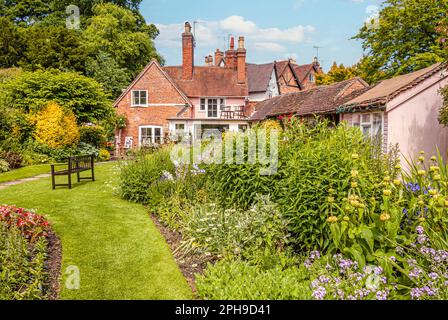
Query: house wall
[
  {"x": 164, "y": 102},
  {"x": 287, "y": 82},
  {"x": 413, "y": 119},
  {"x": 271, "y": 92}
]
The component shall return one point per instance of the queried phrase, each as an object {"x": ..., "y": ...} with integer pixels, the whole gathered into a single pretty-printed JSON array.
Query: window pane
[
  {"x": 202, "y": 104},
  {"x": 365, "y": 118},
  {"x": 221, "y": 104},
  {"x": 355, "y": 120},
  {"x": 212, "y": 108},
  {"x": 143, "y": 98},
  {"x": 135, "y": 97},
  {"x": 146, "y": 136},
  {"x": 180, "y": 126},
  {"x": 366, "y": 130},
  {"x": 157, "y": 135}
]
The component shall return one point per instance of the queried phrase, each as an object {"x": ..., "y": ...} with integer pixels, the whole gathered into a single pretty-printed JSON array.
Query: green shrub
[
  {"x": 318, "y": 163},
  {"x": 92, "y": 135},
  {"x": 14, "y": 159},
  {"x": 241, "y": 281},
  {"x": 4, "y": 166},
  {"x": 257, "y": 234},
  {"x": 138, "y": 176}
]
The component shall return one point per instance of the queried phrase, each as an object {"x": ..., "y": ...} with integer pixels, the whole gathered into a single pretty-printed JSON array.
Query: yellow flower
[
  {"x": 346, "y": 218},
  {"x": 433, "y": 192},
  {"x": 355, "y": 156},
  {"x": 332, "y": 219},
  {"x": 422, "y": 219},
  {"x": 434, "y": 169},
  {"x": 387, "y": 179},
  {"x": 437, "y": 177},
  {"x": 398, "y": 167},
  {"x": 422, "y": 173},
  {"x": 330, "y": 199},
  {"x": 331, "y": 191},
  {"x": 433, "y": 158},
  {"x": 421, "y": 159},
  {"x": 387, "y": 193},
  {"x": 397, "y": 182},
  {"x": 355, "y": 173},
  {"x": 385, "y": 217},
  {"x": 422, "y": 153},
  {"x": 354, "y": 185},
  {"x": 421, "y": 203}
]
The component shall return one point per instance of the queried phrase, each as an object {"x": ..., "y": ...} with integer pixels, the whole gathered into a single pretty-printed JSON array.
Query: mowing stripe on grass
[{"x": 113, "y": 243}]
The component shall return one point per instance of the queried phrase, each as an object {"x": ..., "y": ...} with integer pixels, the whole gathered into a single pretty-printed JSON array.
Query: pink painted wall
[
  {"x": 198, "y": 114},
  {"x": 413, "y": 119}
]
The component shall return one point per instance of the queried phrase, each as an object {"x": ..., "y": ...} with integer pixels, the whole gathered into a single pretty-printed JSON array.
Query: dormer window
[{"x": 139, "y": 98}]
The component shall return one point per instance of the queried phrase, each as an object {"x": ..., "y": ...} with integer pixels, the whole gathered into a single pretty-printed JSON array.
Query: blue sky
[{"x": 274, "y": 30}]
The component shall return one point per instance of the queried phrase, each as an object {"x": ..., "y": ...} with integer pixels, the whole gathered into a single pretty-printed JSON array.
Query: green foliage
[
  {"x": 116, "y": 31},
  {"x": 256, "y": 235},
  {"x": 337, "y": 73},
  {"x": 31, "y": 91},
  {"x": 14, "y": 159},
  {"x": 106, "y": 71},
  {"x": 137, "y": 176},
  {"x": 4, "y": 166},
  {"x": 443, "y": 116},
  {"x": 404, "y": 40},
  {"x": 93, "y": 135},
  {"x": 318, "y": 159},
  {"x": 237, "y": 280}
]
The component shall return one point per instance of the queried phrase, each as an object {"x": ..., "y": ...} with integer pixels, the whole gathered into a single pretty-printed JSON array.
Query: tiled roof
[
  {"x": 209, "y": 82},
  {"x": 387, "y": 90},
  {"x": 322, "y": 99},
  {"x": 303, "y": 70},
  {"x": 258, "y": 76}
]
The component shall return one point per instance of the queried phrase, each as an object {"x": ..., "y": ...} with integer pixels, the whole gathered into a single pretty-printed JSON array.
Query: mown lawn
[
  {"x": 25, "y": 172},
  {"x": 115, "y": 245}
]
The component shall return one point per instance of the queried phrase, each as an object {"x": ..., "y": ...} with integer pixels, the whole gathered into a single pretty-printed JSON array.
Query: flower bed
[{"x": 24, "y": 255}]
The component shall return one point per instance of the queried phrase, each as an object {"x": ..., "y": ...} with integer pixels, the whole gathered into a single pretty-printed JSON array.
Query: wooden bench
[{"x": 75, "y": 165}]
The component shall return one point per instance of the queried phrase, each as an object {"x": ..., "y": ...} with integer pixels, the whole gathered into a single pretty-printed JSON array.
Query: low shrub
[
  {"x": 103, "y": 155},
  {"x": 4, "y": 166},
  {"x": 92, "y": 135},
  {"x": 138, "y": 176},
  {"x": 257, "y": 234},
  {"x": 14, "y": 159},
  {"x": 23, "y": 254},
  {"x": 238, "y": 280}
]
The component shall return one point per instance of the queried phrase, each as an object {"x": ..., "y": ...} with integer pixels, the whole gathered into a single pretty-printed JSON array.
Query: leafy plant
[
  {"x": 93, "y": 135},
  {"x": 4, "y": 166}
]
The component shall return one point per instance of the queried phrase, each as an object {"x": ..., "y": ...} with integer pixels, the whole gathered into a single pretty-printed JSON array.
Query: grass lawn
[
  {"x": 25, "y": 172},
  {"x": 115, "y": 245}
]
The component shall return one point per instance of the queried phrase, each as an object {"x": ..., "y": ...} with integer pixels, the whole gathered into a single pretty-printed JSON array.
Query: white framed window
[
  {"x": 212, "y": 106},
  {"x": 139, "y": 98},
  {"x": 149, "y": 135},
  {"x": 371, "y": 124}
]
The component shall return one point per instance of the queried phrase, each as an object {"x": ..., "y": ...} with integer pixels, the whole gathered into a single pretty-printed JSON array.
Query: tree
[
  {"x": 116, "y": 31},
  {"x": 404, "y": 39},
  {"x": 31, "y": 91},
  {"x": 106, "y": 71},
  {"x": 337, "y": 73},
  {"x": 55, "y": 127}
]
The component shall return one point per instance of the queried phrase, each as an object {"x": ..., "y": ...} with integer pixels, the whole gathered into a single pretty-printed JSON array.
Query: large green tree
[
  {"x": 31, "y": 91},
  {"x": 117, "y": 32},
  {"x": 403, "y": 39}
]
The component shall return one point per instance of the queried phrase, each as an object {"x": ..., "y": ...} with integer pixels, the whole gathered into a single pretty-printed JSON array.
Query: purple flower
[
  {"x": 308, "y": 263},
  {"x": 319, "y": 293},
  {"x": 314, "y": 255},
  {"x": 399, "y": 250},
  {"x": 324, "y": 279},
  {"x": 422, "y": 239},
  {"x": 420, "y": 230},
  {"x": 415, "y": 273},
  {"x": 433, "y": 275},
  {"x": 378, "y": 271},
  {"x": 382, "y": 295},
  {"x": 392, "y": 258}
]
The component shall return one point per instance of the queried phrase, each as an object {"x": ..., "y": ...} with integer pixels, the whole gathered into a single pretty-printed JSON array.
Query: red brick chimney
[
  {"x": 209, "y": 61},
  {"x": 219, "y": 56},
  {"x": 241, "y": 61},
  {"x": 231, "y": 54},
  {"x": 187, "y": 53}
]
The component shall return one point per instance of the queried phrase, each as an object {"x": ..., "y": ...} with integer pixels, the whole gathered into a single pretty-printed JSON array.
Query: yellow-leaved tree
[{"x": 55, "y": 127}]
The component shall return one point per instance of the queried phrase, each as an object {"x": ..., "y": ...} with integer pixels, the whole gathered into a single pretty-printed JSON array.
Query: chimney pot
[
  {"x": 187, "y": 27},
  {"x": 232, "y": 43},
  {"x": 241, "y": 43},
  {"x": 187, "y": 53}
]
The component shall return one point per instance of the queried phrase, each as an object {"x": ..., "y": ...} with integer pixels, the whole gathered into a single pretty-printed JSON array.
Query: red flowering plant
[{"x": 31, "y": 225}]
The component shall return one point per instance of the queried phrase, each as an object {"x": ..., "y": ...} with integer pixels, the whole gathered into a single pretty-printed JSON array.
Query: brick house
[
  {"x": 307, "y": 73},
  {"x": 186, "y": 99}
]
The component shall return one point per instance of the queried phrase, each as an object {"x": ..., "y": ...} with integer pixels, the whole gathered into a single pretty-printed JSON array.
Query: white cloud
[
  {"x": 358, "y": 1},
  {"x": 269, "y": 46},
  {"x": 212, "y": 34}
]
